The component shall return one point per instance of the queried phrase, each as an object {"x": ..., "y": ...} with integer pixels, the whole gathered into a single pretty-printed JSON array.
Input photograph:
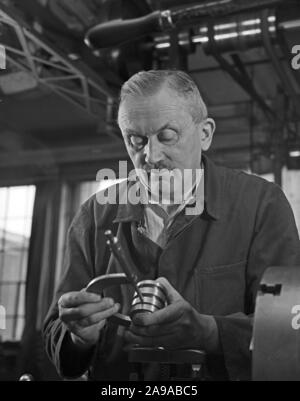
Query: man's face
[{"x": 159, "y": 132}]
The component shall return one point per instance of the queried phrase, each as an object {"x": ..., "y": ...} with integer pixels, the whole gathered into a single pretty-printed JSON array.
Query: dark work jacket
[{"x": 215, "y": 261}]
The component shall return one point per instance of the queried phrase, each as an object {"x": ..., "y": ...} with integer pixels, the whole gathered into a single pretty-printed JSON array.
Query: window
[
  {"x": 16, "y": 208},
  {"x": 72, "y": 198},
  {"x": 291, "y": 188},
  {"x": 86, "y": 189},
  {"x": 83, "y": 191}
]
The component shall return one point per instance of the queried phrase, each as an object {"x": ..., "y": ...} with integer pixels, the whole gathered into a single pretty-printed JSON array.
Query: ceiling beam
[
  {"x": 74, "y": 82},
  {"x": 60, "y": 156}
]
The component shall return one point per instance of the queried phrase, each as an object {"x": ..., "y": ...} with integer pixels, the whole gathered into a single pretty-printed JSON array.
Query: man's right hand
[{"x": 84, "y": 314}]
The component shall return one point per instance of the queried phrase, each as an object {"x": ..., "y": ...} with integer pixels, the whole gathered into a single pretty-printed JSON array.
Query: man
[{"x": 210, "y": 261}]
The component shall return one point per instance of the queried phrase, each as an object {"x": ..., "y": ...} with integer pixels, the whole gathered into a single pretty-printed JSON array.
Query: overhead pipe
[
  {"x": 175, "y": 3},
  {"x": 115, "y": 32},
  {"x": 230, "y": 33}
]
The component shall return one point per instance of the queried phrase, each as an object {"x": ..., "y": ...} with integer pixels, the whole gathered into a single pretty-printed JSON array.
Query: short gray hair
[{"x": 148, "y": 83}]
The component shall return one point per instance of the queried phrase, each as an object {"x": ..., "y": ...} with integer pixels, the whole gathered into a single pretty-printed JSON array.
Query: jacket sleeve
[
  {"x": 275, "y": 242},
  {"x": 78, "y": 271}
]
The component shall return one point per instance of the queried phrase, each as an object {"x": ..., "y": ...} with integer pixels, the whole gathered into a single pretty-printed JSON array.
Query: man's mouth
[
  {"x": 160, "y": 171},
  {"x": 156, "y": 170}
]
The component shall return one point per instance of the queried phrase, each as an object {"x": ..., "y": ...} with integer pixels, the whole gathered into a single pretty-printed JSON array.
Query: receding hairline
[
  {"x": 162, "y": 90},
  {"x": 177, "y": 82}
]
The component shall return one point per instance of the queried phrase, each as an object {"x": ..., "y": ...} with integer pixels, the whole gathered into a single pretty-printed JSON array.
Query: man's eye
[
  {"x": 168, "y": 136},
  {"x": 137, "y": 141}
]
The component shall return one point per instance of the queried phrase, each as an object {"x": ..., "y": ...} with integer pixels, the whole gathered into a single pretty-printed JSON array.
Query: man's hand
[
  {"x": 85, "y": 314},
  {"x": 177, "y": 326}
]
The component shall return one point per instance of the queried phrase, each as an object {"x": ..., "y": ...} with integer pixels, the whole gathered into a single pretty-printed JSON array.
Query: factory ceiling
[{"x": 60, "y": 91}]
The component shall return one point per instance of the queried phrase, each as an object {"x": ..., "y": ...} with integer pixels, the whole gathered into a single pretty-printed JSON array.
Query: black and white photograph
[{"x": 149, "y": 194}]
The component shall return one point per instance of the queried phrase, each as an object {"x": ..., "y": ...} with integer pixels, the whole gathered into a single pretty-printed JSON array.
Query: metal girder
[
  {"x": 53, "y": 69},
  {"x": 241, "y": 77},
  {"x": 58, "y": 156},
  {"x": 287, "y": 84}
]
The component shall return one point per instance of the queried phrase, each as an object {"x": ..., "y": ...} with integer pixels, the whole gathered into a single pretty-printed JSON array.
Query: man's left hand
[{"x": 177, "y": 326}]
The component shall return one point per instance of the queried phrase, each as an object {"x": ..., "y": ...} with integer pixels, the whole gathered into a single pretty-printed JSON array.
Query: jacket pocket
[
  {"x": 220, "y": 290},
  {"x": 221, "y": 268}
]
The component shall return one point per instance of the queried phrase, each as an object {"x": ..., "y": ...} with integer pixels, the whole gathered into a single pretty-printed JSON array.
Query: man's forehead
[{"x": 152, "y": 107}]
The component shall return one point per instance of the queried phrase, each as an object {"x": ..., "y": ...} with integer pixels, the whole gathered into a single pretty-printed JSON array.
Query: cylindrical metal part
[
  {"x": 144, "y": 308},
  {"x": 149, "y": 300},
  {"x": 150, "y": 293},
  {"x": 154, "y": 298},
  {"x": 276, "y": 340},
  {"x": 153, "y": 287}
]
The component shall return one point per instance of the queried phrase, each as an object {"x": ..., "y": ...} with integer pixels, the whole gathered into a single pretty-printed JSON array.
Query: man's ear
[{"x": 207, "y": 132}]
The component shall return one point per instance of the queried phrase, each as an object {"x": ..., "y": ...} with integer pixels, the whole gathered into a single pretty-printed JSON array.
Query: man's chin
[{"x": 166, "y": 199}]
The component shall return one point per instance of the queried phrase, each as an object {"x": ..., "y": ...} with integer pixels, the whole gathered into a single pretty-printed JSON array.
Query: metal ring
[
  {"x": 153, "y": 291},
  {"x": 149, "y": 295},
  {"x": 146, "y": 308},
  {"x": 155, "y": 284},
  {"x": 148, "y": 300}
]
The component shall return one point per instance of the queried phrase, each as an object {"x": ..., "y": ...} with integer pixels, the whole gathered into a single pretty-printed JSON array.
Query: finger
[
  {"x": 78, "y": 330},
  {"x": 98, "y": 317},
  {"x": 85, "y": 310},
  {"x": 166, "y": 315},
  {"x": 75, "y": 298},
  {"x": 172, "y": 294}
]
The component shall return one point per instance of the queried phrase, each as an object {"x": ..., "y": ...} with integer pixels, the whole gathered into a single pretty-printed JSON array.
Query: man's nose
[{"x": 153, "y": 150}]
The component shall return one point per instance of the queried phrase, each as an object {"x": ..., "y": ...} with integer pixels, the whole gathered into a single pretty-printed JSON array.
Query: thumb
[{"x": 172, "y": 294}]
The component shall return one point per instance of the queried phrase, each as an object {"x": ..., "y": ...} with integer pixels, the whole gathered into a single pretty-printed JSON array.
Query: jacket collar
[
  {"x": 212, "y": 195},
  {"x": 127, "y": 211},
  {"x": 212, "y": 187}
]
